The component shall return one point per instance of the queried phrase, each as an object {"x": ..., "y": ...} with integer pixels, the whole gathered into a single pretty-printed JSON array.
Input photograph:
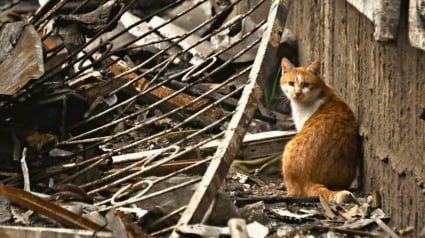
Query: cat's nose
[{"x": 297, "y": 94}]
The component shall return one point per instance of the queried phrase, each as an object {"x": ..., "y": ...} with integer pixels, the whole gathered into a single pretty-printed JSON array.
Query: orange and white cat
[{"x": 321, "y": 160}]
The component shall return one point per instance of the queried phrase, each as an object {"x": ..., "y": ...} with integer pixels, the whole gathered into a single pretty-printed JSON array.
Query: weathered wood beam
[
  {"x": 416, "y": 25},
  {"x": 384, "y": 14},
  {"x": 263, "y": 66},
  {"x": 20, "y": 231},
  {"x": 21, "y": 57}
]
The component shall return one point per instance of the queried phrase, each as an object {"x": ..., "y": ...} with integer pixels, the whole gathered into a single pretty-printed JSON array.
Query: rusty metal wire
[{"x": 130, "y": 125}]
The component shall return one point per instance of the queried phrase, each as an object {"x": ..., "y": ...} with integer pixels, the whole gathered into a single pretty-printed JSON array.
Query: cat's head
[{"x": 301, "y": 84}]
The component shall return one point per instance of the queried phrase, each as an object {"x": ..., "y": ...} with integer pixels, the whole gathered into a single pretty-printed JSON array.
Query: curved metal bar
[
  {"x": 130, "y": 200},
  {"x": 199, "y": 67}
]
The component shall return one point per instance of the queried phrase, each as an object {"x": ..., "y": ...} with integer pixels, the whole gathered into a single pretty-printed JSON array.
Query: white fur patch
[
  {"x": 302, "y": 112},
  {"x": 299, "y": 79},
  {"x": 305, "y": 90},
  {"x": 304, "y": 106}
]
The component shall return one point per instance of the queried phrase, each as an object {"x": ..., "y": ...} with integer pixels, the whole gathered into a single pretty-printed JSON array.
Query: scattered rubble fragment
[
  {"x": 20, "y": 49},
  {"x": 304, "y": 216}
]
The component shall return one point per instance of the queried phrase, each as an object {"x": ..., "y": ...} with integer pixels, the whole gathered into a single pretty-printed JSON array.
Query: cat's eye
[
  {"x": 305, "y": 85},
  {"x": 290, "y": 83}
]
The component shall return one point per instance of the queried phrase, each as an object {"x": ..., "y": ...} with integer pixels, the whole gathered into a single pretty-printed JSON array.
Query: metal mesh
[{"x": 146, "y": 116}]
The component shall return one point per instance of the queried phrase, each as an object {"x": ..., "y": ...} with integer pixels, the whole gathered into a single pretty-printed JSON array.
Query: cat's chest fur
[{"x": 301, "y": 112}]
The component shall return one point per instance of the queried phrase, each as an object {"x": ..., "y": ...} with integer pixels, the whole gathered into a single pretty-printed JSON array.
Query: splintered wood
[
  {"x": 55, "y": 212},
  {"x": 20, "y": 48}
]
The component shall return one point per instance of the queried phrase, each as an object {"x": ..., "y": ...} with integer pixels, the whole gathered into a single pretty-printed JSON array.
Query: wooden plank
[
  {"x": 253, "y": 146},
  {"x": 416, "y": 26},
  {"x": 23, "y": 59},
  {"x": 259, "y": 147},
  {"x": 384, "y": 14},
  {"x": 222, "y": 159},
  {"x": 47, "y": 232},
  {"x": 364, "y": 7},
  {"x": 383, "y": 83}
]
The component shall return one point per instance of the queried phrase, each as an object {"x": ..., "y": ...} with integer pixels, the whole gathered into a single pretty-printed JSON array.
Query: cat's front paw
[{"x": 343, "y": 197}]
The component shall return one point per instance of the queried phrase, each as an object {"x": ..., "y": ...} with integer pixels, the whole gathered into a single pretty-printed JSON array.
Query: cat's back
[
  {"x": 325, "y": 151},
  {"x": 332, "y": 116}
]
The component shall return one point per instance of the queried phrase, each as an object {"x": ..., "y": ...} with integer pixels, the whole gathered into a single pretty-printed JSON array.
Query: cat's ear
[
  {"x": 286, "y": 65},
  {"x": 314, "y": 68}
]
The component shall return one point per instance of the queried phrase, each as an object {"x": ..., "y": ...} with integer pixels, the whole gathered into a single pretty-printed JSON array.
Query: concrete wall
[{"x": 385, "y": 85}]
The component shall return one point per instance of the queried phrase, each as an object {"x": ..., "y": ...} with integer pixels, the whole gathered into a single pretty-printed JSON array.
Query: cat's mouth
[{"x": 297, "y": 96}]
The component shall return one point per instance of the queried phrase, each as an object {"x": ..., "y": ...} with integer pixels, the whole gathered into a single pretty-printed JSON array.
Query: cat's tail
[{"x": 333, "y": 196}]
